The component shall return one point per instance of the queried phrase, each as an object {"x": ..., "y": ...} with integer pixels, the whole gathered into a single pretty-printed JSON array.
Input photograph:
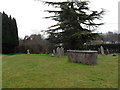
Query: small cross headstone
[
  {"x": 28, "y": 51},
  {"x": 102, "y": 50}
]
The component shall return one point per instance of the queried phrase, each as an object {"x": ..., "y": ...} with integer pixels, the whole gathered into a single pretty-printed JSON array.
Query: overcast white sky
[{"x": 29, "y": 14}]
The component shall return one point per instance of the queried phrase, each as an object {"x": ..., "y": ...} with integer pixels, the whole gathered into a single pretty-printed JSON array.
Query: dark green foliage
[
  {"x": 74, "y": 24},
  {"x": 9, "y": 34},
  {"x": 113, "y": 48}
]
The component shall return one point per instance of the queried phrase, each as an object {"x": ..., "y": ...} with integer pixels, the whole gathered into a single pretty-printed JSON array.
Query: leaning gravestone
[
  {"x": 102, "y": 50},
  {"x": 28, "y": 51}
]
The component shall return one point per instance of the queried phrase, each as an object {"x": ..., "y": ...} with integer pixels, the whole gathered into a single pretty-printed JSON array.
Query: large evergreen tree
[
  {"x": 75, "y": 20},
  {"x": 9, "y": 34}
]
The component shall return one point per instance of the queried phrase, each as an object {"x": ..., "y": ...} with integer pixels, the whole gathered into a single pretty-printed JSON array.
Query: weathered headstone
[
  {"x": 102, "y": 50},
  {"x": 53, "y": 51},
  {"x": 98, "y": 50},
  {"x": 60, "y": 51},
  {"x": 107, "y": 51},
  {"x": 28, "y": 51}
]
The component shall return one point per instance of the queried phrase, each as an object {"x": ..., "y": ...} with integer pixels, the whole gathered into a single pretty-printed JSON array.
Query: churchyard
[
  {"x": 47, "y": 71},
  {"x": 68, "y": 54}
]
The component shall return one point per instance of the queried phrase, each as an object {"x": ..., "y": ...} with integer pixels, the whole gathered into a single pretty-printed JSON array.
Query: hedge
[{"x": 113, "y": 48}]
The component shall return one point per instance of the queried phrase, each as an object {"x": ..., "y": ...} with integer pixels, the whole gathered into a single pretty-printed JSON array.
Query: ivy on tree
[{"x": 75, "y": 23}]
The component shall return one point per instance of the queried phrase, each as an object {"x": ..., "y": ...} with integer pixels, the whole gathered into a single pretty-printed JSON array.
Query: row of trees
[
  {"x": 9, "y": 34},
  {"x": 35, "y": 43},
  {"x": 111, "y": 37},
  {"x": 106, "y": 38}
]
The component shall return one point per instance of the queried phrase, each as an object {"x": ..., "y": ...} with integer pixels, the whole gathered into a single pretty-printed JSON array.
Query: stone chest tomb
[{"x": 82, "y": 56}]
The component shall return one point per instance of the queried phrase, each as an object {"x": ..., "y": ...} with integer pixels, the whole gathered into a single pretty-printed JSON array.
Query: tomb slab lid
[{"x": 82, "y": 51}]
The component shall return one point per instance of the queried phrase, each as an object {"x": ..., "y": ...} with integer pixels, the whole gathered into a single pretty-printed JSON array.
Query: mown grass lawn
[{"x": 44, "y": 71}]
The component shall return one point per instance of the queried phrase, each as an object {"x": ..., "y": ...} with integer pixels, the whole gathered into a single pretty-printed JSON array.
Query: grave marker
[
  {"x": 28, "y": 51},
  {"x": 102, "y": 50}
]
